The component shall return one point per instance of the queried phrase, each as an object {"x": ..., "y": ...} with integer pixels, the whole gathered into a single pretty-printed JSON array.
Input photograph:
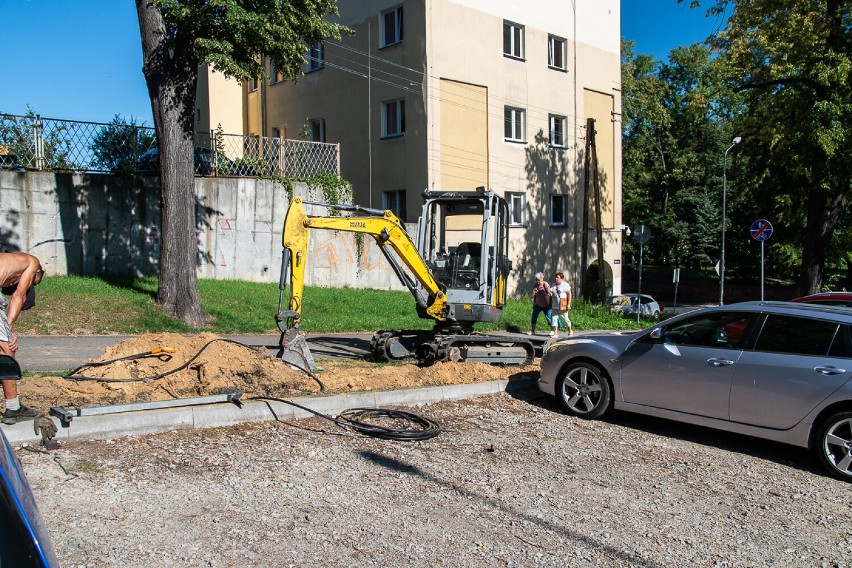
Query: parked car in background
[
  {"x": 149, "y": 164},
  {"x": 9, "y": 163},
  {"x": 843, "y": 299},
  {"x": 628, "y": 304},
  {"x": 24, "y": 540},
  {"x": 775, "y": 370}
]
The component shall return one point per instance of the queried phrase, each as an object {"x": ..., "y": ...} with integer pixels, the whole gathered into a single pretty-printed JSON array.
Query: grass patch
[
  {"x": 75, "y": 305},
  {"x": 86, "y": 466}
]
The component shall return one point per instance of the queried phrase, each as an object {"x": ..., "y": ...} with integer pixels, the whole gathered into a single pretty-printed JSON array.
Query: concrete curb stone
[{"x": 109, "y": 426}]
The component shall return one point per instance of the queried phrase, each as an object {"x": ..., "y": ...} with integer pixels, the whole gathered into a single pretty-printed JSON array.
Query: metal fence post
[
  {"x": 38, "y": 143},
  {"x": 337, "y": 152}
]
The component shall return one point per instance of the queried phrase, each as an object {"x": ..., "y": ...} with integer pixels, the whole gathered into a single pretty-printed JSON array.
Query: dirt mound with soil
[{"x": 206, "y": 364}]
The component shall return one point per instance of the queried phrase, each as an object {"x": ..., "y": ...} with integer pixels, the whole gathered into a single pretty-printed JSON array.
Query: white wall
[{"x": 104, "y": 224}]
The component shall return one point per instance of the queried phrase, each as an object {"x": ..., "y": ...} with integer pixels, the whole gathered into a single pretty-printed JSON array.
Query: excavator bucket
[{"x": 293, "y": 350}]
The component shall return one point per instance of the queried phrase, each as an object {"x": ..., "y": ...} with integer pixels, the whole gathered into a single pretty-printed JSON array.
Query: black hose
[
  {"x": 73, "y": 376},
  {"x": 357, "y": 419}
]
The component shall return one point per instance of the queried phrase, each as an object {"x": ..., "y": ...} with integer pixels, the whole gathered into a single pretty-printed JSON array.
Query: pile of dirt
[{"x": 207, "y": 364}]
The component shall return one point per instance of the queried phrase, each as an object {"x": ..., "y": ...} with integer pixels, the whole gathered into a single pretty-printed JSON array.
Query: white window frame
[
  {"x": 392, "y": 35},
  {"x": 558, "y": 213},
  {"x": 513, "y": 40},
  {"x": 317, "y": 129},
  {"x": 393, "y": 115},
  {"x": 395, "y": 202},
  {"x": 515, "y": 124},
  {"x": 557, "y": 127},
  {"x": 517, "y": 208},
  {"x": 316, "y": 57},
  {"x": 556, "y": 53}
]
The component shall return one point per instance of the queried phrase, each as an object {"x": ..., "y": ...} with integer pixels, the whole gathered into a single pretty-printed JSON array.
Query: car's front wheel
[
  {"x": 584, "y": 391},
  {"x": 834, "y": 445}
]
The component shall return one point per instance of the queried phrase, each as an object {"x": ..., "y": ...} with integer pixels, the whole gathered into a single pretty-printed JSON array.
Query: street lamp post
[{"x": 734, "y": 142}]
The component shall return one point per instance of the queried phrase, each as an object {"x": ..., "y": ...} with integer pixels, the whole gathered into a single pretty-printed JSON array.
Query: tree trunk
[
  {"x": 170, "y": 74},
  {"x": 823, "y": 216}
]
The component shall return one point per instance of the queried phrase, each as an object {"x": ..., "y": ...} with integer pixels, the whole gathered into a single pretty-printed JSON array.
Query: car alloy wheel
[
  {"x": 835, "y": 445},
  {"x": 584, "y": 390}
]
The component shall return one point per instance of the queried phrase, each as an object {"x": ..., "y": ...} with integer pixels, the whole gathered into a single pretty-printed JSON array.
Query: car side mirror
[
  {"x": 9, "y": 369},
  {"x": 656, "y": 334}
]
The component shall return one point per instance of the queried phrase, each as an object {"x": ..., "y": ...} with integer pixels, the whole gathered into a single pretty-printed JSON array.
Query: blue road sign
[{"x": 761, "y": 230}]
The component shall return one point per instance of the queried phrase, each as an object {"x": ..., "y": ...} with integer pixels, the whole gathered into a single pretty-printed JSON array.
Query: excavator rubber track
[{"x": 427, "y": 348}]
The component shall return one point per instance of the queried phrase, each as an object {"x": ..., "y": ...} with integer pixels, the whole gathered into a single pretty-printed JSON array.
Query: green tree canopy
[{"x": 791, "y": 63}]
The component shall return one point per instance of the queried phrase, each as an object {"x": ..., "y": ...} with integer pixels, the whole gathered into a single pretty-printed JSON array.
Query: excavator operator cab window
[{"x": 466, "y": 266}]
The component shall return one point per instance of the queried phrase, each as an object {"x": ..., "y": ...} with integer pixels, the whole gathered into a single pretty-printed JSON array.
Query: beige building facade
[{"x": 456, "y": 94}]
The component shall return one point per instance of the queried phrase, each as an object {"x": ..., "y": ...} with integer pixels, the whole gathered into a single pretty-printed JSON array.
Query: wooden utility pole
[{"x": 591, "y": 174}]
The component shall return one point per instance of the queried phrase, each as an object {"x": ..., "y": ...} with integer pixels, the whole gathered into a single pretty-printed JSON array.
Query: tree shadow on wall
[
  {"x": 9, "y": 238},
  {"x": 110, "y": 226},
  {"x": 549, "y": 172}
]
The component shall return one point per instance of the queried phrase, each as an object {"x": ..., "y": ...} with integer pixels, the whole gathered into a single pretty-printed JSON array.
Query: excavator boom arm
[{"x": 387, "y": 230}]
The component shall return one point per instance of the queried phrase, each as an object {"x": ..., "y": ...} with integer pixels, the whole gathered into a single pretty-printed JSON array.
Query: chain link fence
[{"x": 31, "y": 142}]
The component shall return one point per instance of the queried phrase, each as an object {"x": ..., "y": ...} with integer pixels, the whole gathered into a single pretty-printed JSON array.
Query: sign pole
[
  {"x": 676, "y": 282},
  {"x": 642, "y": 236},
  {"x": 639, "y": 293},
  {"x": 762, "y": 243},
  {"x": 761, "y": 230}
]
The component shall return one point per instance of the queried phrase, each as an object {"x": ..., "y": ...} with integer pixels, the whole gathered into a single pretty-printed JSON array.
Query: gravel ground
[{"x": 509, "y": 482}]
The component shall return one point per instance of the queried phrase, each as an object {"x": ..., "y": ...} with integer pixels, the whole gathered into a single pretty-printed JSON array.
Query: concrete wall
[{"x": 100, "y": 224}]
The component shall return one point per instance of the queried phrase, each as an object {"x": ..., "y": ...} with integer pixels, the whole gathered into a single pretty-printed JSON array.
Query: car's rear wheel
[
  {"x": 584, "y": 391},
  {"x": 834, "y": 445}
]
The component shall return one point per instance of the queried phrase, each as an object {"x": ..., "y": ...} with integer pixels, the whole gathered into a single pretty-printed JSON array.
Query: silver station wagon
[{"x": 774, "y": 370}]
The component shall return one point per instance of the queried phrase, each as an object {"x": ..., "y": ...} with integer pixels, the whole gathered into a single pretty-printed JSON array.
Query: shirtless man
[{"x": 19, "y": 272}]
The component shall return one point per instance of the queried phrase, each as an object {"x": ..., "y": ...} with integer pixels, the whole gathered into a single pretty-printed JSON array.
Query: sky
[{"x": 82, "y": 59}]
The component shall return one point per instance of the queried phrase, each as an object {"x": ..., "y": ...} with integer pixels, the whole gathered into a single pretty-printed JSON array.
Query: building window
[
  {"x": 513, "y": 40},
  {"x": 253, "y": 84},
  {"x": 395, "y": 201},
  {"x": 556, "y": 53},
  {"x": 316, "y": 58},
  {"x": 391, "y": 27},
  {"x": 275, "y": 76},
  {"x": 393, "y": 118},
  {"x": 517, "y": 207},
  {"x": 558, "y": 210},
  {"x": 557, "y": 130},
  {"x": 515, "y": 120},
  {"x": 316, "y": 129}
]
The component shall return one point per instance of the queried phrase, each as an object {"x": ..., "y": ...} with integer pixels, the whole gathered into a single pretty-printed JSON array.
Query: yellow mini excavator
[{"x": 456, "y": 271}]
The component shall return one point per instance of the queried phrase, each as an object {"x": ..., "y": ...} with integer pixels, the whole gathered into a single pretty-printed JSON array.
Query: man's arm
[{"x": 16, "y": 301}]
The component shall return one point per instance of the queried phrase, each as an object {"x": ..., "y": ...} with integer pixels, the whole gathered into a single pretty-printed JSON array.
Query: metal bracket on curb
[{"x": 66, "y": 416}]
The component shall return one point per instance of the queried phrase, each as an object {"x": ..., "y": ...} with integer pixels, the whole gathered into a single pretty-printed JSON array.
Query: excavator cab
[{"x": 463, "y": 239}]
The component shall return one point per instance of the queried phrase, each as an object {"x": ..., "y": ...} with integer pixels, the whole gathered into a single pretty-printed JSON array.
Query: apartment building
[{"x": 457, "y": 94}]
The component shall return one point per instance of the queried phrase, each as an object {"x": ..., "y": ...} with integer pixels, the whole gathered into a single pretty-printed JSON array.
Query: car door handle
[
  {"x": 717, "y": 362},
  {"x": 829, "y": 370}
]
